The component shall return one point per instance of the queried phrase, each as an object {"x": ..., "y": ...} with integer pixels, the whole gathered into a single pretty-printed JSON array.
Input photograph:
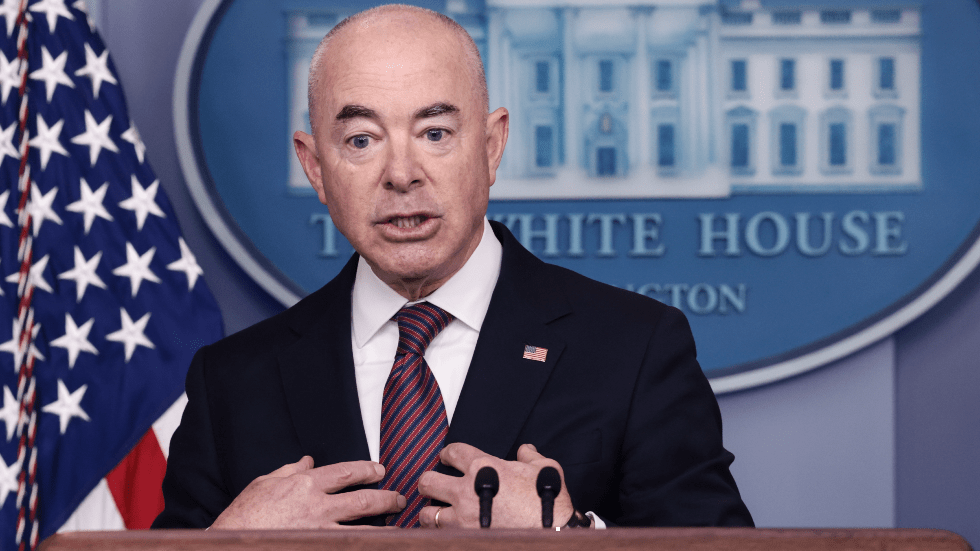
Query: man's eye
[
  {"x": 435, "y": 135},
  {"x": 360, "y": 142}
]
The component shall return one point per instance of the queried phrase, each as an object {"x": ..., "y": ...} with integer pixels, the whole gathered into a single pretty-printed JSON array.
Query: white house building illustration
[{"x": 686, "y": 98}]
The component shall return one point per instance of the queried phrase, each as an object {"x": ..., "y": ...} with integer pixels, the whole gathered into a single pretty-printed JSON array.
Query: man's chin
[
  {"x": 416, "y": 265},
  {"x": 395, "y": 269}
]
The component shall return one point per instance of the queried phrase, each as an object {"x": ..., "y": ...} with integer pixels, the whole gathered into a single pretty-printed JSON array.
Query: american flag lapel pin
[{"x": 535, "y": 353}]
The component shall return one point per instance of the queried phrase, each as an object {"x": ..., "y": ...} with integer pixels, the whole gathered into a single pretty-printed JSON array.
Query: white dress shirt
[{"x": 374, "y": 336}]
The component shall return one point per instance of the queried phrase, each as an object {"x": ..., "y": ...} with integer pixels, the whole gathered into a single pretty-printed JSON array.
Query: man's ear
[
  {"x": 498, "y": 127},
  {"x": 305, "y": 145}
]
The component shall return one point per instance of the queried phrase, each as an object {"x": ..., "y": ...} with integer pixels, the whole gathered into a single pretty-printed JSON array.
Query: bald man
[{"x": 522, "y": 365}]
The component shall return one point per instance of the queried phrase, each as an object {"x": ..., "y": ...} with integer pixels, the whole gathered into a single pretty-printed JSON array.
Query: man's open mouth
[{"x": 406, "y": 222}]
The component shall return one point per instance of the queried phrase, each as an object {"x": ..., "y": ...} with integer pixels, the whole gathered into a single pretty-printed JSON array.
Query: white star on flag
[
  {"x": 52, "y": 9},
  {"x": 67, "y": 405},
  {"x": 7, "y": 148},
  {"x": 4, "y": 219},
  {"x": 10, "y": 413},
  {"x": 96, "y": 137},
  {"x": 8, "y": 479},
  {"x": 90, "y": 205},
  {"x": 80, "y": 6},
  {"x": 40, "y": 208},
  {"x": 96, "y": 68},
  {"x": 47, "y": 140},
  {"x": 131, "y": 333},
  {"x": 137, "y": 267},
  {"x": 187, "y": 264},
  {"x": 52, "y": 72},
  {"x": 35, "y": 276},
  {"x": 132, "y": 135},
  {"x": 75, "y": 340},
  {"x": 9, "y": 10},
  {"x": 143, "y": 201},
  {"x": 9, "y": 76},
  {"x": 13, "y": 345},
  {"x": 84, "y": 273}
]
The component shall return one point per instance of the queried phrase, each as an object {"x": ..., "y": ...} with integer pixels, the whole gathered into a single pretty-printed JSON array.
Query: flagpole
[{"x": 26, "y": 381}]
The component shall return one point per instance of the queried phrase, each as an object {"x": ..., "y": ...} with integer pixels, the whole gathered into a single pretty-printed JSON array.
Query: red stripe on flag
[{"x": 136, "y": 483}]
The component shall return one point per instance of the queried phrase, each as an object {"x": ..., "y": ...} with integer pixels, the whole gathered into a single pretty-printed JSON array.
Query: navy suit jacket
[{"x": 620, "y": 401}]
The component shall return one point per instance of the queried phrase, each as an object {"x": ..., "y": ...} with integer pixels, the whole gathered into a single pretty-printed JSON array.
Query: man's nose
[{"x": 403, "y": 170}]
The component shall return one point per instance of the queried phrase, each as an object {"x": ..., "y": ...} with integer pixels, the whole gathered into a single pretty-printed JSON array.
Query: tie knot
[{"x": 418, "y": 324}]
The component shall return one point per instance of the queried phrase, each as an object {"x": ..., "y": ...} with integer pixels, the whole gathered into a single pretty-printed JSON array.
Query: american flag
[
  {"x": 101, "y": 298},
  {"x": 535, "y": 353}
]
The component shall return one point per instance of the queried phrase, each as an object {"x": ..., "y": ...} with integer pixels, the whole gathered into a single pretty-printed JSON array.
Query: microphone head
[
  {"x": 549, "y": 480},
  {"x": 486, "y": 482}
]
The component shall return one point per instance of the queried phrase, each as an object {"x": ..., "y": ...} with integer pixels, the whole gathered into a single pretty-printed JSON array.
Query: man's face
[{"x": 404, "y": 154}]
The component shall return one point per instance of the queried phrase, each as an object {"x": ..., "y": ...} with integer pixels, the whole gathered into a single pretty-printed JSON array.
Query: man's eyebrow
[
  {"x": 355, "y": 111},
  {"x": 435, "y": 110}
]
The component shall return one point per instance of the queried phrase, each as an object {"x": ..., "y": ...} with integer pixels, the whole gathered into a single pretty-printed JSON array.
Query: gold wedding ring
[{"x": 436, "y": 519}]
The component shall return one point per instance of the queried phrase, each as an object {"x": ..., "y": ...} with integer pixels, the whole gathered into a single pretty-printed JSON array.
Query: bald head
[{"x": 419, "y": 20}]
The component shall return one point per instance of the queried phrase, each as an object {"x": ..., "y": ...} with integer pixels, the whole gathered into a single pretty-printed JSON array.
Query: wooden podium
[{"x": 687, "y": 539}]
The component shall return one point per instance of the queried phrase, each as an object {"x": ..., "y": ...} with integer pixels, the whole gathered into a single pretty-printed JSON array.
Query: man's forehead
[
  {"x": 391, "y": 56},
  {"x": 403, "y": 82},
  {"x": 389, "y": 91},
  {"x": 395, "y": 63}
]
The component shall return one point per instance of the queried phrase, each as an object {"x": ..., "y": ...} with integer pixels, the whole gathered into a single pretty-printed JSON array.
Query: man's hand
[
  {"x": 298, "y": 496},
  {"x": 516, "y": 505}
]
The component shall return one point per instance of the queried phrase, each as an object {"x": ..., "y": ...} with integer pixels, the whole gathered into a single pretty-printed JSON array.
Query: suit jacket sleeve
[
  {"x": 681, "y": 477},
  {"x": 193, "y": 488}
]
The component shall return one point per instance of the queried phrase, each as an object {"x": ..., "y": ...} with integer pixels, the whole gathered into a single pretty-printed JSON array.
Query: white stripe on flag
[
  {"x": 165, "y": 426},
  {"x": 97, "y": 512}
]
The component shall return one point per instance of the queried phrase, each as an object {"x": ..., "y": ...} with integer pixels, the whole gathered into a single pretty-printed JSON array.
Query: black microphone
[
  {"x": 549, "y": 486},
  {"x": 486, "y": 486}
]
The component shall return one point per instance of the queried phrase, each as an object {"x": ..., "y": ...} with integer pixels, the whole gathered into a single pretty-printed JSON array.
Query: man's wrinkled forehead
[
  {"x": 381, "y": 56},
  {"x": 384, "y": 46}
]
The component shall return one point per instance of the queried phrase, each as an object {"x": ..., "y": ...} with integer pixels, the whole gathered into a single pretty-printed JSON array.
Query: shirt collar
[{"x": 466, "y": 295}]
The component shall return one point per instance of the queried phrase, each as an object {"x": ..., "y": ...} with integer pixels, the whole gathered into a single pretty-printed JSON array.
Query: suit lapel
[
  {"x": 318, "y": 376},
  {"x": 501, "y": 385}
]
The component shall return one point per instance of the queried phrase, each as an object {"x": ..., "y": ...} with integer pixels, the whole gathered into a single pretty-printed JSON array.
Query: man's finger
[
  {"x": 305, "y": 463},
  {"x": 365, "y": 503},
  {"x": 460, "y": 456},
  {"x": 447, "y": 517},
  {"x": 529, "y": 454},
  {"x": 336, "y": 477},
  {"x": 439, "y": 486}
]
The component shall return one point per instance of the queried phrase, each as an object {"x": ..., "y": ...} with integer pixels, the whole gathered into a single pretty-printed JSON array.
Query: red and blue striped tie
[{"x": 413, "y": 416}]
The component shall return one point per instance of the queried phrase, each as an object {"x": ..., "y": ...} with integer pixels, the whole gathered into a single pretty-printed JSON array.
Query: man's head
[{"x": 403, "y": 152}]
